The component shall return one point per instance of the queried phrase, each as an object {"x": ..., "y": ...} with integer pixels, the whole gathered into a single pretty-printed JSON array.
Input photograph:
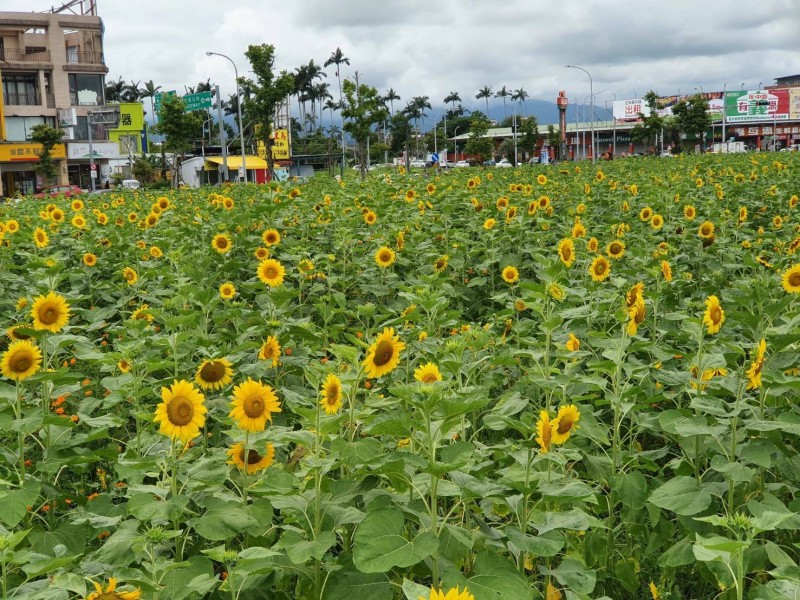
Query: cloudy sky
[{"x": 433, "y": 47}]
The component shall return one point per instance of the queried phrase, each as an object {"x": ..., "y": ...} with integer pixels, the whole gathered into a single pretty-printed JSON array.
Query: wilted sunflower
[
  {"x": 270, "y": 350},
  {"x": 573, "y": 343},
  {"x": 181, "y": 413},
  {"x": 441, "y": 263},
  {"x": 50, "y": 312},
  {"x": 214, "y": 374},
  {"x": 254, "y": 461},
  {"x": 600, "y": 268},
  {"x": 130, "y": 275},
  {"x": 253, "y": 405},
  {"x": 384, "y": 257},
  {"x": 427, "y": 373},
  {"x": 616, "y": 249},
  {"x": 40, "y": 238},
  {"x": 222, "y": 243},
  {"x": 502, "y": 203},
  {"x": 510, "y": 274},
  {"x": 754, "y": 372},
  {"x": 271, "y": 237},
  {"x": 706, "y": 230},
  {"x": 111, "y": 592},
  {"x": 452, "y": 594},
  {"x": 714, "y": 316},
  {"x": 565, "y": 423},
  {"x": 331, "y": 394},
  {"x": 383, "y": 355},
  {"x": 544, "y": 431},
  {"x": 22, "y": 359},
  {"x": 227, "y": 290},
  {"x": 791, "y": 279},
  {"x": 566, "y": 251},
  {"x": 271, "y": 272}
]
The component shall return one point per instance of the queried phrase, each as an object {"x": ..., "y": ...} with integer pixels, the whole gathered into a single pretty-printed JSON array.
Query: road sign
[
  {"x": 434, "y": 158},
  {"x": 93, "y": 167},
  {"x": 199, "y": 101},
  {"x": 157, "y": 99}
]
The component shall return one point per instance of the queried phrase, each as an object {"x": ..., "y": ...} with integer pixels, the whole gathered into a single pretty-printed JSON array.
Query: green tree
[
  {"x": 48, "y": 138},
  {"x": 267, "y": 91},
  {"x": 692, "y": 117},
  {"x": 528, "y": 135},
  {"x": 363, "y": 108},
  {"x": 486, "y": 93},
  {"x": 479, "y": 145},
  {"x": 651, "y": 123},
  {"x": 554, "y": 138},
  {"x": 179, "y": 128},
  {"x": 144, "y": 168}
]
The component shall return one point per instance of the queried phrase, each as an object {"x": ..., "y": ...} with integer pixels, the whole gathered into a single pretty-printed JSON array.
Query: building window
[
  {"x": 72, "y": 54},
  {"x": 21, "y": 89},
  {"x": 85, "y": 90},
  {"x": 18, "y": 129}
]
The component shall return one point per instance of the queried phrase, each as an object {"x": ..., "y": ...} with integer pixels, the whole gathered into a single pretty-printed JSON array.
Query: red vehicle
[{"x": 60, "y": 190}]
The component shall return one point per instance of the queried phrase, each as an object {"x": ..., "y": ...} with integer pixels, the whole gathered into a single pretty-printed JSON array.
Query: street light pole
[
  {"x": 239, "y": 110},
  {"x": 91, "y": 150},
  {"x": 455, "y": 145},
  {"x": 591, "y": 104},
  {"x": 723, "y": 140}
]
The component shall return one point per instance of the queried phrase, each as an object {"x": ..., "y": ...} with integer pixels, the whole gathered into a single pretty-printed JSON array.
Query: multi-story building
[{"x": 53, "y": 71}]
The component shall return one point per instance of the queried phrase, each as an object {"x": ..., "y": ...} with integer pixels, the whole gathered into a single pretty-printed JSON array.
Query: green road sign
[
  {"x": 197, "y": 101},
  {"x": 157, "y": 99}
]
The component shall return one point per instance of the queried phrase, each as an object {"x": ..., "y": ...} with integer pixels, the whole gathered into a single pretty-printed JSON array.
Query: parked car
[
  {"x": 131, "y": 184},
  {"x": 462, "y": 163},
  {"x": 59, "y": 190},
  {"x": 504, "y": 164},
  {"x": 488, "y": 163}
]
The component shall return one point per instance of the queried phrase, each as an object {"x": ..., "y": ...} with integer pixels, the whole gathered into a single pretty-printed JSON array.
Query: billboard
[
  {"x": 131, "y": 117},
  {"x": 757, "y": 105},
  {"x": 628, "y": 110},
  {"x": 794, "y": 103},
  {"x": 280, "y": 148}
]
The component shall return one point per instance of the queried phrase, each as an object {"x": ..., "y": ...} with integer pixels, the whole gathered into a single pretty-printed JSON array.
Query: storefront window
[
  {"x": 18, "y": 129},
  {"x": 85, "y": 90}
]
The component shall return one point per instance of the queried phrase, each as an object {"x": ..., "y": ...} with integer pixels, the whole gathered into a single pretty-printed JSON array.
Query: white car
[
  {"x": 503, "y": 164},
  {"x": 462, "y": 163}
]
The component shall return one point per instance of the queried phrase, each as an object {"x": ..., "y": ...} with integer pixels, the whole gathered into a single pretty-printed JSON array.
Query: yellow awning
[{"x": 234, "y": 162}]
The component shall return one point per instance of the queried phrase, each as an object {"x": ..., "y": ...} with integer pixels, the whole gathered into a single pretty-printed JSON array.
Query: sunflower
[
  {"x": 616, "y": 249},
  {"x": 22, "y": 359},
  {"x": 111, "y": 592},
  {"x": 556, "y": 292},
  {"x": 255, "y": 461},
  {"x": 541, "y": 179},
  {"x": 151, "y": 220},
  {"x": 130, "y": 275},
  {"x": 441, "y": 263},
  {"x": 657, "y": 222},
  {"x": 646, "y": 214},
  {"x": 331, "y": 394},
  {"x": 163, "y": 202},
  {"x": 544, "y": 431},
  {"x": 706, "y": 230},
  {"x": 791, "y": 279},
  {"x": 253, "y": 405},
  {"x": 427, "y": 373},
  {"x": 214, "y": 374},
  {"x": 156, "y": 252},
  {"x": 689, "y": 212},
  {"x": 666, "y": 270},
  {"x": 754, "y": 372},
  {"x": 270, "y": 350},
  {"x": 578, "y": 230},
  {"x": 123, "y": 365},
  {"x": 222, "y": 243},
  {"x": 543, "y": 202},
  {"x": 565, "y": 423},
  {"x": 636, "y": 314},
  {"x": 132, "y": 217},
  {"x": 76, "y": 205},
  {"x": 573, "y": 343},
  {"x": 370, "y": 217},
  {"x": 502, "y": 203},
  {"x": 142, "y": 314},
  {"x": 566, "y": 251},
  {"x": 777, "y": 221},
  {"x": 78, "y": 221},
  {"x": 271, "y": 272},
  {"x": 50, "y": 313},
  {"x": 383, "y": 355},
  {"x": 181, "y": 413},
  {"x": 227, "y": 290},
  {"x": 271, "y": 237},
  {"x": 742, "y": 214},
  {"x": 385, "y": 257},
  {"x": 40, "y": 238},
  {"x": 510, "y": 274},
  {"x": 714, "y": 316},
  {"x": 89, "y": 259},
  {"x": 600, "y": 268},
  {"x": 489, "y": 223},
  {"x": 452, "y": 594},
  {"x": 261, "y": 253},
  {"x": 592, "y": 245}
]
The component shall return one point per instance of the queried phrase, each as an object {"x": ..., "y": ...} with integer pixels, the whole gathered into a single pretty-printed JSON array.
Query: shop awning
[{"x": 234, "y": 162}]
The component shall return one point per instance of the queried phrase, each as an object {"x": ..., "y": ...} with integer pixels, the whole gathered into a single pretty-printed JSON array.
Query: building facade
[{"x": 53, "y": 72}]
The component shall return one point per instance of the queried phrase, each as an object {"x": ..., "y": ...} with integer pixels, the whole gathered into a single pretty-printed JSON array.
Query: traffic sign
[
  {"x": 199, "y": 101},
  {"x": 93, "y": 168},
  {"x": 434, "y": 158},
  {"x": 157, "y": 99}
]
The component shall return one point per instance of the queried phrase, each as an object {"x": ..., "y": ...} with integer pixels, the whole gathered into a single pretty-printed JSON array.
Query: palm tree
[
  {"x": 519, "y": 96},
  {"x": 422, "y": 102},
  {"x": 503, "y": 93},
  {"x": 115, "y": 89},
  {"x": 485, "y": 92},
  {"x": 452, "y": 98},
  {"x": 321, "y": 94},
  {"x": 338, "y": 58},
  {"x": 131, "y": 93},
  {"x": 390, "y": 97},
  {"x": 149, "y": 91}
]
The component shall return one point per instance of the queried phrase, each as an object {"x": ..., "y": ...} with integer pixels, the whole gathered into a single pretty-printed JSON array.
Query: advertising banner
[
  {"x": 628, "y": 110},
  {"x": 280, "y": 148},
  {"x": 78, "y": 150},
  {"x": 131, "y": 117},
  {"x": 757, "y": 105},
  {"x": 794, "y": 103}
]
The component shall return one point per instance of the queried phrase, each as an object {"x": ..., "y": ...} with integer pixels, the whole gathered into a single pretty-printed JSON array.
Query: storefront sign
[
  {"x": 280, "y": 147},
  {"x": 28, "y": 152},
  {"x": 99, "y": 149}
]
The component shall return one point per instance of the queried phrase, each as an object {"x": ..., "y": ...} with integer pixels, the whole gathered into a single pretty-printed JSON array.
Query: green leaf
[
  {"x": 222, "y": 520},
  {"x": 300, "y": 550},
  {"x": 195, "y": 578},
  {"x": 536, "y": 545},
  {"x": 14, "y": 503},
  {"x": 681, "y": 495},
  {"x": 415, "y": 591},
  {"x": 631, "y": 489},
  {"x": 678, "y": 555},
  {"x": 495, "y": 578},
  {"x": 574, "y": 575},
  {"x": 379, "y": 545},
  {"x": 349, "y": 584}
]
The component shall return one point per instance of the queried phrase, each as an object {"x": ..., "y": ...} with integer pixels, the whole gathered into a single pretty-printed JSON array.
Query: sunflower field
[{"x": 559, "y": 382}]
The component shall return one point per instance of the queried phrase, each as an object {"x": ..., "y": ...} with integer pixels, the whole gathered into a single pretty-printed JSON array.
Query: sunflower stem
[
  {"x": 174, "y": 489},
  {"x": 20, "y": 438}
]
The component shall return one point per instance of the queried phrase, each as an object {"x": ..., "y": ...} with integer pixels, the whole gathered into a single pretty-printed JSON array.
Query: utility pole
[{"x": 224, "y": 171}]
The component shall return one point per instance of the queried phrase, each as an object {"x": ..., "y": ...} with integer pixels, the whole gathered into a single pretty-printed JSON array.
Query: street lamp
[
  {"x": 239, "y": 109},
  {"x": 591, "y": 105},
  {"x": 455, "y": 145}
]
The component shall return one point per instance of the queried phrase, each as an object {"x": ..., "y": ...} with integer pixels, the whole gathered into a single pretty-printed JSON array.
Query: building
[{"x": 53, "y": 72}]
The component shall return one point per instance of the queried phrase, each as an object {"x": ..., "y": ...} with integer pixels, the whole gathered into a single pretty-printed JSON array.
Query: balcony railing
[
  {"x": 17, "y": 55},
  {"x": 21, "y": 99},
  {"x": 84, "y": 58}
]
